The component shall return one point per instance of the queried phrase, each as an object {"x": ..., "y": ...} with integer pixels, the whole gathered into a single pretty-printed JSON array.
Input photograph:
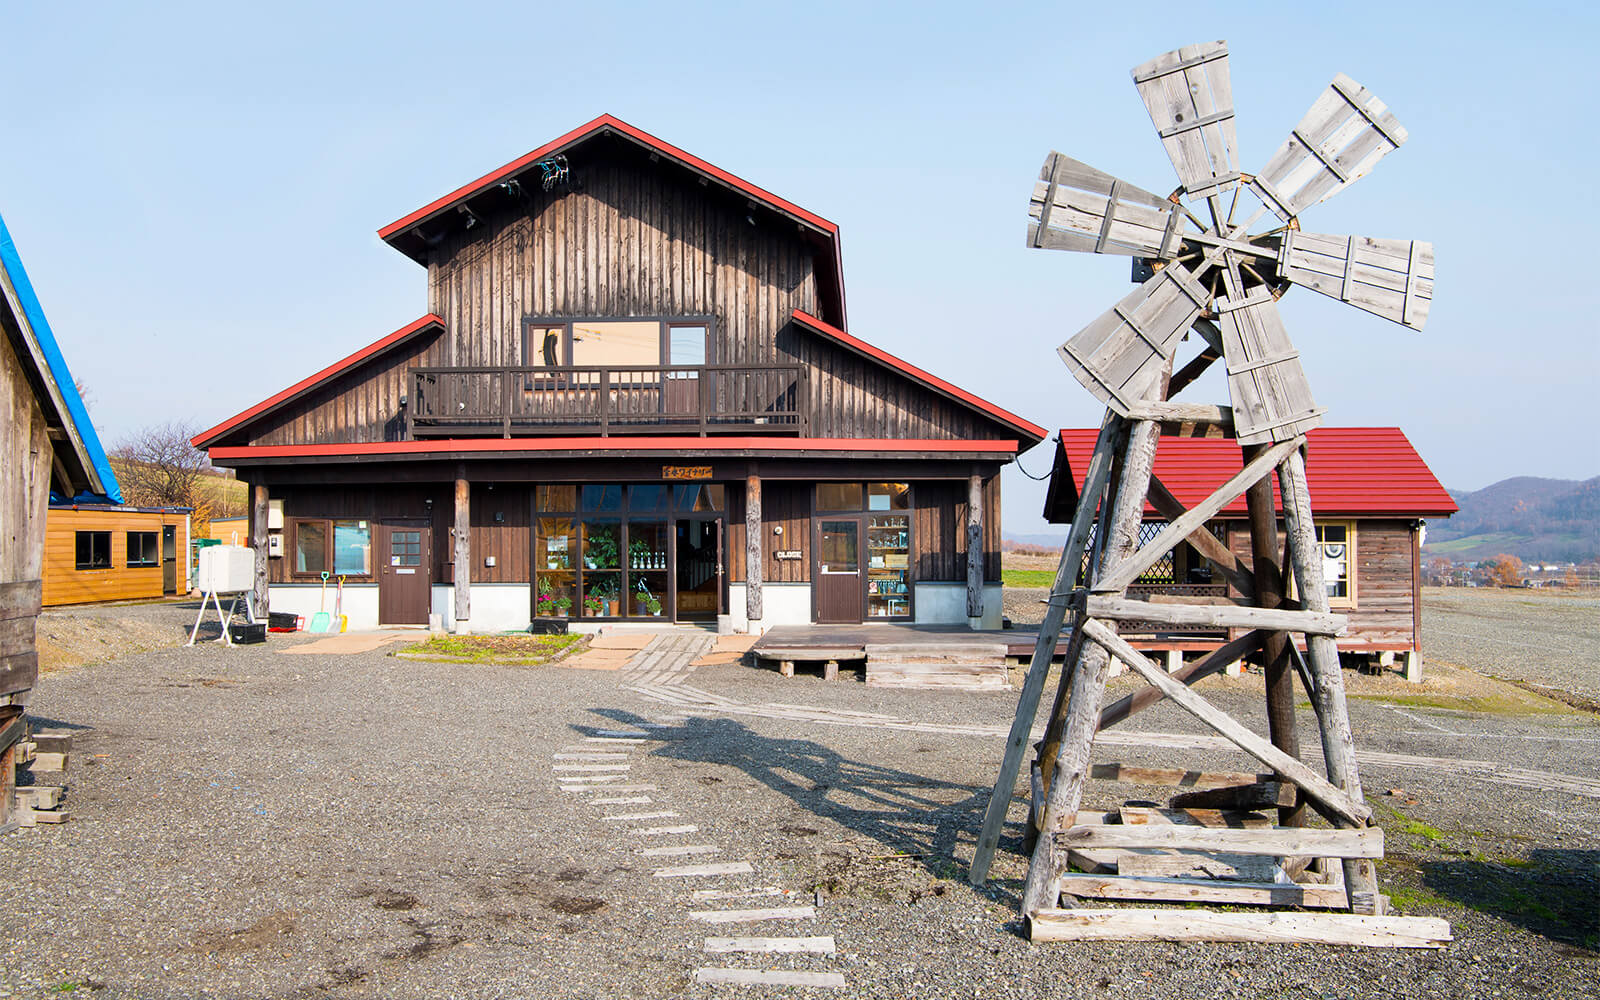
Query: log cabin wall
[
  {"x": 1384, "y": 608},
  {"x": 24, "y": 498}
]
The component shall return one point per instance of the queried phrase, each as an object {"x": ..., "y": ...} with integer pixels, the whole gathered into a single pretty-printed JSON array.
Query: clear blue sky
[{"x": 196, "y": 189}]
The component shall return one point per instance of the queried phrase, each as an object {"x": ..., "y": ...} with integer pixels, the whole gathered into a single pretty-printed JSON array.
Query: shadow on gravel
[
  {"x": 1551, "y": 892},
  {"x": 909, "y": 814}
]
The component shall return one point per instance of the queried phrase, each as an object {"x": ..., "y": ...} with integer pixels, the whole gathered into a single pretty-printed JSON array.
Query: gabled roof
[
  {"x": 411, "y": 233},
  {"x": 1352, "y": 472},
  {"x": 79, "y": 454},
  {"x": 1028, "y": 430},
  {"x": 207, "y": 438}
]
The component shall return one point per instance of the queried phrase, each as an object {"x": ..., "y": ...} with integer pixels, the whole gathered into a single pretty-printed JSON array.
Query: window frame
[
  {"x": 665, "y": 325},
  {"x": 78, "y": 563},
  {"x": 863, "y": 516},
  {"x": 293, "y": 547},
  {"x": 1292, "y": 585},
  {"x": 143, "y": 563}
]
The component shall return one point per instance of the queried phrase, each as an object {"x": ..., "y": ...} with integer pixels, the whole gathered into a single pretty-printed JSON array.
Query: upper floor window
[{"x": 615, "y": 343}]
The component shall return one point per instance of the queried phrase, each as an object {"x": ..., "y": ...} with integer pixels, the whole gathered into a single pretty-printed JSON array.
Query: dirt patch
[
  {"x": 69, "y": 638},
  {"x": 518, "y": 650},
  {"x": 1446, "y": 685},
  {"x": 268, "y": 932},
  {"x": 575, "y": 905}
]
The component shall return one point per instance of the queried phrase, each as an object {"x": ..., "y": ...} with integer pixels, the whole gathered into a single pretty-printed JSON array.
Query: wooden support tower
[{"x": 1212, "y": 843}]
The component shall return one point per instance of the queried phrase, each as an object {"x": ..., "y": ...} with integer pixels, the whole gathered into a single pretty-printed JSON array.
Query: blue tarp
[{"x": 77, "y": 416}]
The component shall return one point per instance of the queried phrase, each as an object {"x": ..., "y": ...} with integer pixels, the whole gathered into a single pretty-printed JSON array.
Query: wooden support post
[
  {"x": 258, "y": 541},
  {"x": 1274, "y": 656},
  {"x": 753, "y": 571},
  {"x": 974, "y": 550},
  {"x": 1089, "y": 676},
  {"x": 463, "y": 549},
  {"x": 1411, "y": 666},
  {"x": 1338, "y": 743},
  {"x": 1044, "y": 648}
]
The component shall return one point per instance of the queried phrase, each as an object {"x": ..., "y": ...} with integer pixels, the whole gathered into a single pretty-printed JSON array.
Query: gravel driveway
[
  {"x": 252, "y": 824},
  {"x": 1540, "y": 637}
]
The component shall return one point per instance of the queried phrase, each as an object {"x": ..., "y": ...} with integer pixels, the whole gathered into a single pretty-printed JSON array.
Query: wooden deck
[{"x": 1019, "y": 642}]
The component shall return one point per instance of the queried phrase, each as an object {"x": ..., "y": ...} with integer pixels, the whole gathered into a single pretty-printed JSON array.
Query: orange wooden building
[{"x": 114, "y": 552}]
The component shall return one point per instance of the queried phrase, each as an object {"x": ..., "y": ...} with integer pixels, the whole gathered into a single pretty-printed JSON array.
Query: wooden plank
[
  {"x": 1130, "y": 570},
  {"x": 20, "y": 599},
  {"x": 1076, "y": 207},
  {"x": 1334, "y": 798},
  {"x": 1241, "y": 819},
  {"x": 1365, "y": 842},
  {"x": 771, "y": 977},
  {"x": 1208, "y": 545},
  {"x": 705, "y": 871},
  {"x": 1191, "y": 890},
  {"x": 1256, "y": 795},
  {"x": 1175, "y": 777},
  {"x": 1221, "y": 616},
  {"x": 974, "y": 547},
  {"x": 819, "y": 945},
  {"x": 1342, "y": 136},
  {"x": 1213, "y": 663},
  {"x": 1121, "y": 355},
  {"x": 754, "y": 546},
  {"x": 1248, "y": 928},
  {"x": 753, "y": 915},
  {"x": 1221, "y": 865},
  {"x": 1182, "y": 413},
  {"x": 1094, "y": 482}
]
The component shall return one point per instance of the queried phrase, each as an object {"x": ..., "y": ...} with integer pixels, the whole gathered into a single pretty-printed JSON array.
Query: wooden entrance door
[
  {"x": 405, "y": 552},
  {"x": 697, "y": 570},
  {"x": 169, "y": 559},
  {"x": 838, "y": 572}
]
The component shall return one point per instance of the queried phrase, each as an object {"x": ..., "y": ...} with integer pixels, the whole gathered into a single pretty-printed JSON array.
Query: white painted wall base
[
  {"x": 946, "y": 604},
  {"x": 496, "y": 607},
  {"x": 305, "y": 599},
  {"x": 781, "y": 604}
]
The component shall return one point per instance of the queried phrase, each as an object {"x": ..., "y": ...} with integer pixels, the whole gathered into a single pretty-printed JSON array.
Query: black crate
[
  {"x": 548, "y": 626},
  {"x": 247, "y": 633},
  {"x": 281, "y": 620}
]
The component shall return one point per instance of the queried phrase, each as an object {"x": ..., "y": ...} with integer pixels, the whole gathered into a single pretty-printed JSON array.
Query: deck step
[{"x": 970, "y": 666}]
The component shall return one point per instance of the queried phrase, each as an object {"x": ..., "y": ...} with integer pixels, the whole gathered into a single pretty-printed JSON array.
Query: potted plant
[
  {"x": 593, "y": 604},
  {"x": 651, "y": 603},
  {"x": 563, "y": 605},
  {"x": 600, "y": 547},
  {"x": 545, "y": 603}
]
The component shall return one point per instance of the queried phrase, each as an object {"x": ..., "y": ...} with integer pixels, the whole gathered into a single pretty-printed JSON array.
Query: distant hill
[{"x": 1555, "y": 520}]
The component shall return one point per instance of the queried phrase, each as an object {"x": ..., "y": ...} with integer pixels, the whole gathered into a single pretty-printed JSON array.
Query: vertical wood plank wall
[
  {"x": 374, "y": 503},
  {"x": 24, "y": 496}
]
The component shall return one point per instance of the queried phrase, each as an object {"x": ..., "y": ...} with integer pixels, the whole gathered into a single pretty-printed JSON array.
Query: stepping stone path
[{"x": 607, "y": 755}]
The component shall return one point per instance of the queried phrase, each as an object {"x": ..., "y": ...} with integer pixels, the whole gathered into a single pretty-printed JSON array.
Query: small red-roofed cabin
[
  {"x": 632, "y": 397},
  {"x": 1370, "y": 491}
]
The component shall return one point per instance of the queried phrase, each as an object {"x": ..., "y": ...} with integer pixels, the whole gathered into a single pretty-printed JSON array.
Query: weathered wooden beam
[
  {"x": 1277, "y": 842},
  {"x": 1267, "y": 574},
  {"x": 1130, "y": 570},
  {"x": 1220, "y": 616},
  {"x": 258, "y": 541},
  {"x": 1333, "y": 719},
  {"x": 1182, "y": 413},
  {"x": 1089, "y": 674},
  {"x": 463, "y": 549},
  {"x": 1214, "y": 663},
  {"x": 974, "y": 547},
  {"x": 1265, "y": 928},
  {"x": 1208, "y": 545},
  {"x": 1256, "y": 795},
  {"x": 753, "y": 548},
  {"x": 1314, "y": 784},
  {"x": 1201, "y": 890},
  {"x": 1044, "y": 648},
  {"x": 1172, "y": 776}
]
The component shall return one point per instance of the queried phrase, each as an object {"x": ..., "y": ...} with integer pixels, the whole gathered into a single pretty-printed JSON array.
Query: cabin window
[
  {"x": 1337, "y": 541},
  {"x": 615, "y": 343},
  {"x": 93, "y": 550},
  {"x": 336, "y": 547},
  {"x": 144, "y": 548}
]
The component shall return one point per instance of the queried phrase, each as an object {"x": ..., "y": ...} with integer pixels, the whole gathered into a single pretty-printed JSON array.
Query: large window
[
  {"x": 1336, "y": 540},
  {"x": 93, "y": 550},
  {"x": 602, "y": 550},
  {"x": 336, "y": 547},
  {"x": 615, "y": 343},
  {"x": 144, "y": 548},
  {"x": 888, "y": 540}
]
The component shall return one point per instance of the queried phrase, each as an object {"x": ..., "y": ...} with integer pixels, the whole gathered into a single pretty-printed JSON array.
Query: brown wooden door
[
  {"x": 838, "y": 572},
  {"x": 405, "y": 551},
  {"x": 169, "y": 559}
]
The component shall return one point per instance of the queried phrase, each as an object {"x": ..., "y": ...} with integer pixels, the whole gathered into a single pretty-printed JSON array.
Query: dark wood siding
[
  {"x": 1384, "y": 610},
  {"x": 374, "y": 503},
  {"x": 500, "y": 523}
]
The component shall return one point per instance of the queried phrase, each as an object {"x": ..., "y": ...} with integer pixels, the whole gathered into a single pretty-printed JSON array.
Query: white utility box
[{"x": 226, "y": 569}]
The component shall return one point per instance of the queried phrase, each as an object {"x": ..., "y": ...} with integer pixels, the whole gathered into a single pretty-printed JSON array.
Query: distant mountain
[{"x": 1554, "y": 520}]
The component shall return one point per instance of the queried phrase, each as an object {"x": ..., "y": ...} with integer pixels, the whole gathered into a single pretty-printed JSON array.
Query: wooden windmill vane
[{"x": 1208, "y": 273}]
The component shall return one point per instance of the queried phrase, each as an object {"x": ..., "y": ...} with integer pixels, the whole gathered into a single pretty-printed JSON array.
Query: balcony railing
[{"x": 645, "y": 399}]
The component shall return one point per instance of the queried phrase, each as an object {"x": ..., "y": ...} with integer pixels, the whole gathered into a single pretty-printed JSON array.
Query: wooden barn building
[
  {"x": 632, "y": 397},
  {"x": 50, "y": 452},
  {"x": 1370, "y": 490}
]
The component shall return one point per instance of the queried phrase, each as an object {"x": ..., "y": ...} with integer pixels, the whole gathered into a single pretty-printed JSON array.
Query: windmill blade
[
  {"x": 1120, "y": 356},
  {"x": 1388, "y": 278},
  {"x": 1271, "y": 397},
  {"x": 1191, "y": 104},
  {"x": 1343, "y": 136},
  {"x": 1076, "y": 207}
]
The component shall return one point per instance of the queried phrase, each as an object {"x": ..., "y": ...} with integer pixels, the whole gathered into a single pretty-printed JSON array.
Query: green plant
[
  {"x": 600, "y": 546},
  {"x": 593, "y": 603},
  {"x": 639, "y": 554}
]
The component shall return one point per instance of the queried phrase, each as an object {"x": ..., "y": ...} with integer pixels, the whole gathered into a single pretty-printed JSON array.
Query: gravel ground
[
  {"x": 251, "y": 824},
  {"x": 1535, "y": 636}
]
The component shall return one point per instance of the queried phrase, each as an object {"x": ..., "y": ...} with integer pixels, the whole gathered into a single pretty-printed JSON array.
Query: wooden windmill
[{"x": 1208, "y": 273}]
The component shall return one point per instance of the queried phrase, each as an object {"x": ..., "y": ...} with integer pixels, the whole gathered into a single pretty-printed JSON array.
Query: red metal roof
[
  {"x": 305, "y": 385},
  {"x": 1352, "y": 471},
  {"x": 1027, "y": 428},
  {"x": 667, "y": 446},
  {"x": 831, "y": 266}
]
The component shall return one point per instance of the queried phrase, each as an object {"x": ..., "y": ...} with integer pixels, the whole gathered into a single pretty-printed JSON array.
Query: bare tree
[{"x": 157, "y": 467}]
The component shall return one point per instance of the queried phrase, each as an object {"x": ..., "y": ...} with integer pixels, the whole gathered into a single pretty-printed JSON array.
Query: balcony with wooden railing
[{"x": 643, "y": 399}]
